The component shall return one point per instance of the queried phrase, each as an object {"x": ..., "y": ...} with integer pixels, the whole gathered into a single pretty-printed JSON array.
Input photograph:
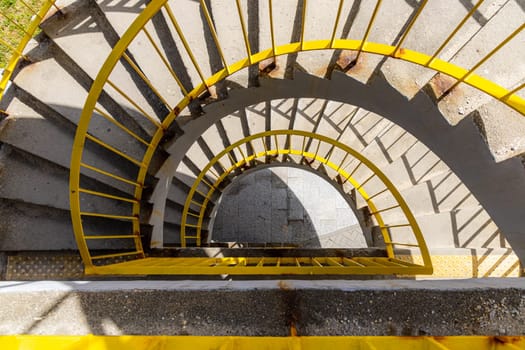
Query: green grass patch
[{"x": 14, "y": 16}]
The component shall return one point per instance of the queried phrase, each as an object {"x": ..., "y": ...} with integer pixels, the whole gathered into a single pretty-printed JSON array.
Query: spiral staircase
[
  {"x": 413, "y": 111},
  {"x": 130, "y": 130}
]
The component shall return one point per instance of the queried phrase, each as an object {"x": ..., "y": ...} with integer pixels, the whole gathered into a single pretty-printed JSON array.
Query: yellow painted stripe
[{"x": 137, "y": 342}]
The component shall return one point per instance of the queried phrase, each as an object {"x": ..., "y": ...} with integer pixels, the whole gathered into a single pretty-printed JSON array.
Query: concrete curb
[{"x": 188, "y": 285}]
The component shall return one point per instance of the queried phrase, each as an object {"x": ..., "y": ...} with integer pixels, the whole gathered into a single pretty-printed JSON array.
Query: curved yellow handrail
[
  {"x": 463, "y": 75},
  {"x": 17, "y": 52},
  {"x": 338, "y": 168}
]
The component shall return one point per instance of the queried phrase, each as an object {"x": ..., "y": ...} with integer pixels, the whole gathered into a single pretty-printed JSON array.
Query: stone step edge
[{"x": 229, "y": 285}]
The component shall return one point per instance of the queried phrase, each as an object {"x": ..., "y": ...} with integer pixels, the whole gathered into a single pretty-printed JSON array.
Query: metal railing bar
[
  {"x": 265, "y": 146},
  {"x": 244, "y": 32},
  {"x": 109, "y": 216},
  {"x": 355, "y": 170},
  {"x": 342, "y": 162},
  {"x": 130, "y": 100},
  {"x": 317, "y": 149},
  {"x": 114, "y": 150},
  {"x": 316, "y": 262},
  {"x": 353, "y": 262},
  {"x": 390, "y": 262},
  {"x": 201, "y": 193},
  {"x": 214, "y": 173},
  {"x": 232, "y": 160},
  {"x": 191, "y": 225},
  {"x": 270, "y": 9},
  {"x": 197, "y": 203},
  {"x": 111, "y": 237},
  {"x": 366, "y": 181},
  {"x": 486, "y": 58},
  {"x": 454, "y": 32},
  {"x": 336, "y": 23},
  {"x": 11, "y": 48},
  {"x": 116, "y": 177},
  {"x": 334, "y": 262},
  {"x": 411, "y": 24},
  {"x": 513, "y": 91},
  {"x": 401, "y": 262},
  {"x": 394, "y": 226},
  {"x": 303, "y": 23},
  {"x": 368, "y": 29},
  {"x": 377, "y": 194},
  {"x": 208, "y": 184},
  {"x": 241, "y": 152},
  {"x": 105, "y": 195},
  {"x": 15, "y": 23},
  {"x": 367, "y": 262},
  {"x": 146, "y": 80},
  {"x": 30, "y": 8},
  {"x": 403, "y": 244},
  {"x": 385, "y": 209},
  {"x": 214, "y": 35},
  {"x": 121, "y": 126},
  {"x": 329, "y": 154},
  {"x": 303, "y": 148},
  {"x": 185, "y": 43},
  {"x": 165, "y": 61},
  {"x": 116, "y": 255}
]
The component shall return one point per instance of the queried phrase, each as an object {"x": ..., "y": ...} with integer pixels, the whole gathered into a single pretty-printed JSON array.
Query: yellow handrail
[
  {"x": 29, "y": 31},
  {"x": 358, "y": 185},
  {"x": 465, "y": 76}
]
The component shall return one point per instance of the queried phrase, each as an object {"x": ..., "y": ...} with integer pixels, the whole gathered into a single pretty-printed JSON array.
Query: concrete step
[
  {"x": 24, "y": 120},
  {"x": 173, "y": 57},
  {"x": 465, "y": 228},
  {"x": 230, "y": 35},
  {"x": 99, "y": 40},
  {"x": 68, "y": 69},
  {"x": 50, "y": 228},
  {"x": 350, "y": 236},
  {"x": 170, "y": 235},
  {"x": 465, "y": 99},
  {"x": 502, "y": 129},
  {"x": 30, "y": 179},
  {"x": 434, "y": 25},
  {"x": 386, "y": 307},
  {"x": 440, "y": 194},
  {"x": 65, "y": 95}
]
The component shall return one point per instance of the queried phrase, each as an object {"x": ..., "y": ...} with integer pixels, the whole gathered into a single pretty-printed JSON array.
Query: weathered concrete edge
[{"x": 188, "y": 285}]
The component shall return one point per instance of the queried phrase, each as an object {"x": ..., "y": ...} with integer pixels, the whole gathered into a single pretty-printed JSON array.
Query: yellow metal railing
[
  {"x": 294, "y": 143},
  {"x": 344, "y": 169},
  {"x": 23, "y": 30},
  {"x": 142, "y": 25}
]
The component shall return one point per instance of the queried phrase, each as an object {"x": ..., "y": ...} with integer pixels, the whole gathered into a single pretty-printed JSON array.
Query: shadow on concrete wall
[{"x": 286, "y": 206}]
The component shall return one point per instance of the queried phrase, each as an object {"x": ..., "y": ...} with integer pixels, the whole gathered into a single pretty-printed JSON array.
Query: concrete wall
[{"x": 286, "y": 205}]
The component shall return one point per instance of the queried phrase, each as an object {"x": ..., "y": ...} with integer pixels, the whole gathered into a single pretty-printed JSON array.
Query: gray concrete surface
[
  {"x": 448, "y": 176},
  {"x": 43, "y": 125},
  {"x": 282, "y": 205},
  {"x": 466, "y": 307}
]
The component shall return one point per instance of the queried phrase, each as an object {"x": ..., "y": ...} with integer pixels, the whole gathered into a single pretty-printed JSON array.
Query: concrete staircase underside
[{"x": 454, "y": 157}]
